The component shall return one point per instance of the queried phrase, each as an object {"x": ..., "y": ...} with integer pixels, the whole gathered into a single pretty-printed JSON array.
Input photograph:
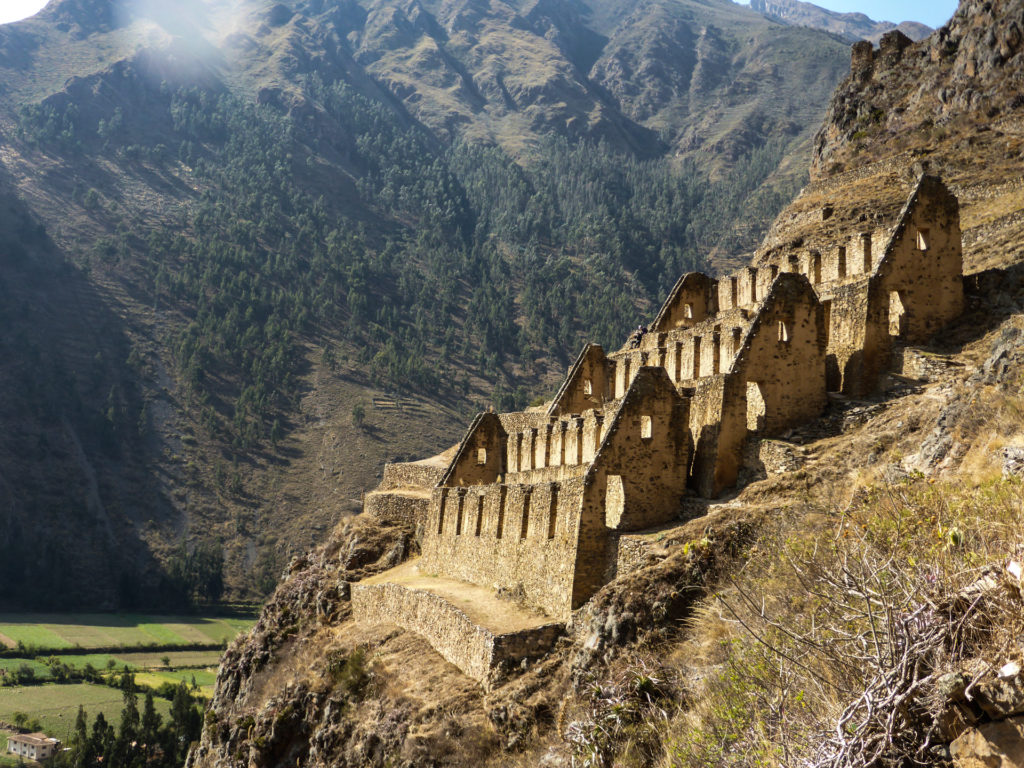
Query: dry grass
[{"x": 873, "y": 608}]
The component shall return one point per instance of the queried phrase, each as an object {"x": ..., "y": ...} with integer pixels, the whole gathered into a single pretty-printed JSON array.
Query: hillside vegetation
[{"x": 254, "y": 249}]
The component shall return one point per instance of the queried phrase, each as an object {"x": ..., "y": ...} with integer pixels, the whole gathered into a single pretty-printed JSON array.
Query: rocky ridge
[{"x": 852, "y": 26}]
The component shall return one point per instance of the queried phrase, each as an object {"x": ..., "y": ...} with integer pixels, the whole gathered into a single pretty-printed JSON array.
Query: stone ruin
[{"x": 522, "y": 523}]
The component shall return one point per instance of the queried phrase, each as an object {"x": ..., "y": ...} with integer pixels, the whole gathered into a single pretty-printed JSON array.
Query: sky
[
  {"x": 934, "y": 13},
  {"x": 15, "y": 10}
]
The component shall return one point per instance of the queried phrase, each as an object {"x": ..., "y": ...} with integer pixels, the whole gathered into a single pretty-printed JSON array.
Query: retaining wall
[{"x": 476, "y": 650}]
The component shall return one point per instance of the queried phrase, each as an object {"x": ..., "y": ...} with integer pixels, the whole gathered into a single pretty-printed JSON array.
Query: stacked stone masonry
[
  {"x": 474, "y": 649},
  {"x": 534, "y": 503}
]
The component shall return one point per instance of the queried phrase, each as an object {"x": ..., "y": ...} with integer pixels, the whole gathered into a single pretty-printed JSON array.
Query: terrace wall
[{"x": 522, "y": 539}]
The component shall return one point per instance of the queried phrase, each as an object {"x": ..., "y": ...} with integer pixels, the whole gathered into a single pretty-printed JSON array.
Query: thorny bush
[
  {"x": 830, "y": 643},
  {"x": 622, "y": 719}
]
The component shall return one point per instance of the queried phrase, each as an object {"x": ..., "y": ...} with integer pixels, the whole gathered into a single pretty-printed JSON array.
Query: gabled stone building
[{"x": 532, "y": 504}]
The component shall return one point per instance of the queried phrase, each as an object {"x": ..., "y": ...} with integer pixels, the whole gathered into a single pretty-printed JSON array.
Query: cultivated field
[
  {"x": 67, "y": 639},
  {"x": 149, "y": 668},
  {"x": 55, "y": 706},
  {"x": 141, "y": 659},
  {"x": 84, "y": 630}
]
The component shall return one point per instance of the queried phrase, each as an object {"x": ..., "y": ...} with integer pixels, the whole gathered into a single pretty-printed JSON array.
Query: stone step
[{"x": 483, "y": 635}]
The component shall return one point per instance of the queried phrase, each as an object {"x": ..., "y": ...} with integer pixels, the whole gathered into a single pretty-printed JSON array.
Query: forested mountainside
[
  {"x": 856, "y": 603},
  {"x": 300, "y": 238}
]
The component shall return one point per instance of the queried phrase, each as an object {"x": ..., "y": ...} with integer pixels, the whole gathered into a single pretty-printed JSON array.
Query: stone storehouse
[{"x": 532, "y": 504}]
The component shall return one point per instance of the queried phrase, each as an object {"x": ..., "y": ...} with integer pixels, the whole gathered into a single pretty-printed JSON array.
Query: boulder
[
  {"x": 992, "y": 745},
  {"x": 1002, "y": 697},
  {"x": 1013, "y": 461}
]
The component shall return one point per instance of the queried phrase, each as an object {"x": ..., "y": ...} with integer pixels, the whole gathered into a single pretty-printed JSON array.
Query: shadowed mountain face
[
  {"x": 76, "y": 495},
  {"x": 319, "y": 233}
]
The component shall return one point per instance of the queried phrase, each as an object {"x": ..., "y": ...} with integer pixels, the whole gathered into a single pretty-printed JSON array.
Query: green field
[
  {"x": 140, "y": 659},
  {"x": 8, "y": 665},
  {"x": 101, "y": 630},
  {"x": 149, "y": 669},
  {"x": 204, "y": 678},
  {"x": 55, "y": 706}
]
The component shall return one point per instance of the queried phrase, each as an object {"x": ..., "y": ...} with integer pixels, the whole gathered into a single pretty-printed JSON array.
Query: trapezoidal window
[
  {"x": 734, "y": 291},
  {"x": 553, "y": 512},
  {"x": 481, "y": 456},
  {"x": 524, "y": 529},
  {"x": 588, "y": 387},
  {"x": 815, "y": 268},
  {"x": 783, "y": 332},
  {"x": 479, "y": 515},
  {"x": 756, "y": 408},
  {"x": 688, "y": 311},
  {"x": 646, "y": 428},
  {"x": 922, "y": 239},
  {"x": 865, "y": 244},
  {"x": 458, "y": 515},
  {"x": 897, "y": 314},
  {"x": 737, "y": 335},
  {"x": 841, "y": 261}
]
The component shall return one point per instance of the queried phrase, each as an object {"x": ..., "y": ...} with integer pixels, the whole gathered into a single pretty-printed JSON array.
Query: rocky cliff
[{"x": 950, "y": 102}]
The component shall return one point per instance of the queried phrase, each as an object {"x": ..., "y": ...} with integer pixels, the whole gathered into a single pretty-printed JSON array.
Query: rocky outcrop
[
  {"x": 314, "y": 590},
  {"x": 966, "y": 74}
]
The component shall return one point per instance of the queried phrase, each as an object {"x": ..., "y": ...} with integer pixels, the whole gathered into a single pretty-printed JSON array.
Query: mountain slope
[
  {"x": 325, "y": 231},
  {"x": 852, "y": 26},
  {"x": 952, "y": 103}
]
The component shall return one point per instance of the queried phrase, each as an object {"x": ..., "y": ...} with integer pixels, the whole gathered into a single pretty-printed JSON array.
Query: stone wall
[
  {"x": 481, "y": 455},
  {"x": 845, "y": 315},
  {"x": 474, "y": 649},
  {"x": 414, "y": 474},
  {"x": 777, "y": 380},
  {"x": 586, "y": 386},
  {"x": 644, "y": 457},
  {"x": 782, "y": 363},
  {"x": 396, "y": 506},
  {"x": 691, "y": 300},
  {"x": 566, "y": 442},
  {"x": 921, "y": 271},
  {"x": 519, "y": 538}
]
